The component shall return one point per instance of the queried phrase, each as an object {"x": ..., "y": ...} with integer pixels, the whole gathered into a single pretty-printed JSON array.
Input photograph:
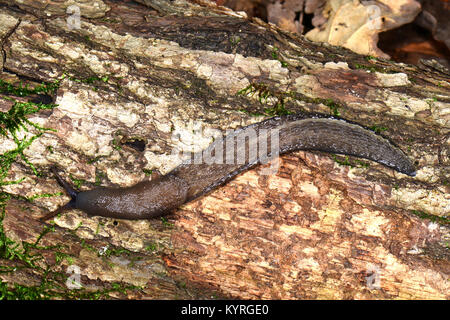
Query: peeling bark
[{"x": 316, "y": 229}]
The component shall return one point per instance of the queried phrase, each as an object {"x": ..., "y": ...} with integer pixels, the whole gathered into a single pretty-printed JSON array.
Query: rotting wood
[{"x": 317, "y": 229}]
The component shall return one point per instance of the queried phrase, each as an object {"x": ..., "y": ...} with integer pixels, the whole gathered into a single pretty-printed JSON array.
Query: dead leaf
[{"x": 355, "y": 25}]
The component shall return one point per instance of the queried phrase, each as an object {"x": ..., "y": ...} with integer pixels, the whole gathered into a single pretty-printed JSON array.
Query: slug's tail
[
  {"x": 70, "y": 191},
  {"x": 290, "y": 133}
]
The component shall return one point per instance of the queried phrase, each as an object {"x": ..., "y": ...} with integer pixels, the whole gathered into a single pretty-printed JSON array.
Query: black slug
[{"x": 228, "y": 156}]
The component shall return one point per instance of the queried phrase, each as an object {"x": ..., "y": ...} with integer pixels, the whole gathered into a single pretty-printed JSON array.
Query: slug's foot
[{"x": 70, "y": 191}]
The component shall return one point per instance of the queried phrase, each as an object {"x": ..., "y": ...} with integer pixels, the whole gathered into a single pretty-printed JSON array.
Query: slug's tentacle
[
  {"x": 70, "y": 191},
  {"x": 230, "y": 155}
]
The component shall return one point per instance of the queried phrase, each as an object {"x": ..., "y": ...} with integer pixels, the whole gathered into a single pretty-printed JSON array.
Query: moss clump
[
  {"x": 265, "y": 95},
  {"x": 346, "y": 162},
  {"x": 24, "y": 90},
  {"x": 334, "y": 107},
  {"x": 28, "y": 256},
  {"x": 276, "y": 56},
  {"x": 378, "y": 129},
  {"x": 432, "y": 217}
]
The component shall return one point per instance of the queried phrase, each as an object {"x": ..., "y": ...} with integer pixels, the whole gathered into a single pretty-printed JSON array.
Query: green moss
[
  {"x": 254, "y": 114},
  {"x": 266, "y": 96},
  {"x": 334, "y": 107},
  {"x": 277, "y": 110},
  {"x": 153, "y": 246},
  {"x": 91, "y": 80},
  {"x": 87, "y": 246},
  {"x": 369, "y": 68},
  {"x": 276, "y": 56},
  {"x": 44, "y": 195},
  {"x": 109, "y": 251},
  {"x": 20, "y": 292},
  {"x": 330, "y": 103},
  {"x": 99, "y": 226},
  {"x": 22, "y": 91},
  {"x": 11, "y": 123},
  {"x": 148, "y": 172},
  {"x": 77, "y": 182},
  {"x": 60, "y": 256},
  {"x": 95, "y": 159},
  {"x": 48, "y": 290},
  {"x": 373, "y": 67},
  {"x": 234, "y": 40},
  {"x": 343, "y": 162},
  {"x": 14, "y": 125},
  {"x": 99, "y": 176},
  {"x": 166, "y": 223},
  {"x": 432, "y": 217},
  {"x": 346, "y": 162},
  {"x": 378, "y": 129},
  {"x": 116, "y": 143},
  {"x": 263, "y": 93}
]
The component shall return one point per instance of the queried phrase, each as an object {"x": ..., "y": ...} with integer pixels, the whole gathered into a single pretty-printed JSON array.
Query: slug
[{"x": 230, "y": 155}]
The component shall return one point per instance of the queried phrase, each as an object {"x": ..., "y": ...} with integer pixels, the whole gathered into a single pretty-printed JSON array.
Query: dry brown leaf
[
  {"x": 435, "y": 17},
  {"x": 286, "y": 14},
  {"x": 355, "y": 25}
]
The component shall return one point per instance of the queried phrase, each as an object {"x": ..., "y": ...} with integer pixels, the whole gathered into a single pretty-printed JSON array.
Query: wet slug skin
[{"x": 230, "y": 155}]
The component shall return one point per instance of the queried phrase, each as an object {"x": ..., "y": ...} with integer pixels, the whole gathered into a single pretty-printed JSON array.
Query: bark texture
[{"x": 167, "y": 71}]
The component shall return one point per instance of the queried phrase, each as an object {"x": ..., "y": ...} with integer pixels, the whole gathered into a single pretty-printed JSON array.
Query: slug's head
[{"x": 144, "y": 200}]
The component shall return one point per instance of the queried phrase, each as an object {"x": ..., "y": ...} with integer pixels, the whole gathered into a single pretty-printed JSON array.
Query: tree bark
[{"x": 134, "y": 73}]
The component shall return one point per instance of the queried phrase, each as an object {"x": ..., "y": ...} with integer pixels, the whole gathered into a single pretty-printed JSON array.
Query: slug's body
[{"x": 189, "y": 180}]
